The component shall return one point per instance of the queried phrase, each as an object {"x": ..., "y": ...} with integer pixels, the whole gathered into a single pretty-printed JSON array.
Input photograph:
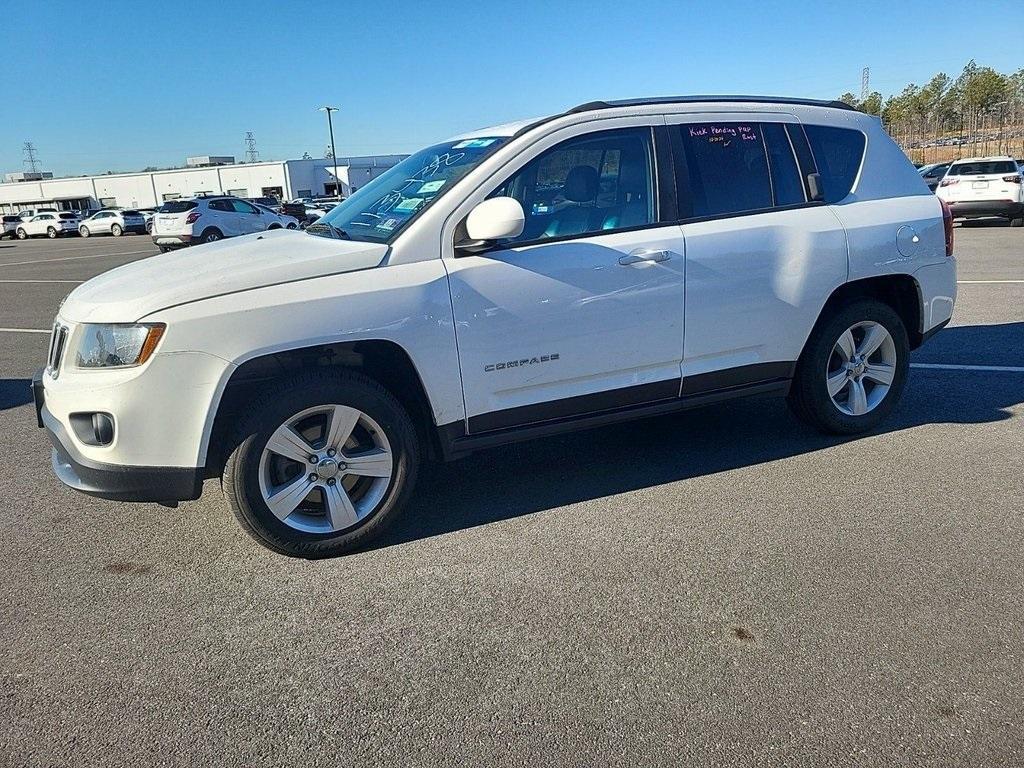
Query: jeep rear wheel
[
  {"x": 853, "y": 370},
  {"x": 322, "y": 465}
]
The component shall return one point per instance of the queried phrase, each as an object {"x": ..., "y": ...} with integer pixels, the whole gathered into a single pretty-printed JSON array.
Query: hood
[{"x": 129, "y": 293}]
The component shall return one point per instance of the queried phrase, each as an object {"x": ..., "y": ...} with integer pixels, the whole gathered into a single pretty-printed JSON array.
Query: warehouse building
[{"x": 283, "y": 179}]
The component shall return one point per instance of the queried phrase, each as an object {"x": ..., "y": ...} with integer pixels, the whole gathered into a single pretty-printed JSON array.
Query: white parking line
[
  {"x": 947, "y": 367},
  {"x": 986, "y": 282},
  {"x": 24, "y": 330},
  {"x": 75, "y": 258},
  {"x": 76, "y": 282}
]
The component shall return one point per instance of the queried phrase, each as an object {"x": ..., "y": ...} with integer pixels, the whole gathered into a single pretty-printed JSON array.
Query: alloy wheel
[
  {"x": 861, "y": 368},
  {"x": 326, "y": 469}
]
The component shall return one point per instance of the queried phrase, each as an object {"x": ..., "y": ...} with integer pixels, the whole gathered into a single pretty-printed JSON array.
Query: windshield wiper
[{"x": 339, "y": 232}]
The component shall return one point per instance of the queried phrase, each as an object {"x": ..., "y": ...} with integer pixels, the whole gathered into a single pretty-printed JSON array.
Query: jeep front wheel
[{"x": 323, "y": 464}]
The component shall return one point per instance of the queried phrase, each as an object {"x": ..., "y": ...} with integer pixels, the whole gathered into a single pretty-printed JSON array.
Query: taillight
[
  {"x": 947, "y": 226},
  {"x": 1015, "y": 179},
  {"x": 949, "y": 182},
  {"x": 192, "y": 218}
]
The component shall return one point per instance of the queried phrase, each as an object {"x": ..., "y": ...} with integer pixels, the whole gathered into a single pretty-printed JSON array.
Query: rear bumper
[
  {"x": 1006, "y": 208},
  {"x": 112, "y": 481},
  {"x": 172, "y": 241}
]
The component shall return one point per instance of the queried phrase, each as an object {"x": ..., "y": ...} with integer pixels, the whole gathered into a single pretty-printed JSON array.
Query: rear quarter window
[{"x": 838, "y": 154}]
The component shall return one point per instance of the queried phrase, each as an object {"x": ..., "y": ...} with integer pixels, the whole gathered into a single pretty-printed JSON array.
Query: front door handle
[{"x": 644, "y": 256}]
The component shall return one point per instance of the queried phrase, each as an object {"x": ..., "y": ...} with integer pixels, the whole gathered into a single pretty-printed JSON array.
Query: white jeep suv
[
  {"x": 984, "y": 186},
  {"x": 208, "y": 219},
  {"x": 619, "y": 260}
]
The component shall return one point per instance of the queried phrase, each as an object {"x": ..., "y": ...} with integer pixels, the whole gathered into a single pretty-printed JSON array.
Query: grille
[{"x": 58, "y": 339}]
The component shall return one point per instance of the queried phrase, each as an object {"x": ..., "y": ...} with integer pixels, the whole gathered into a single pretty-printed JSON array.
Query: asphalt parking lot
[{"x": 725, "y": 587}]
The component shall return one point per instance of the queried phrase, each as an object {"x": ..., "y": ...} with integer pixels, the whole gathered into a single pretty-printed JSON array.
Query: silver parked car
[{"x": 113, "y": 221}]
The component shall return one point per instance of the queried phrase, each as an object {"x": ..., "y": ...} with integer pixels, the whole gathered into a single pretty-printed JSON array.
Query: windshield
[{"x": 382, "y": 208}]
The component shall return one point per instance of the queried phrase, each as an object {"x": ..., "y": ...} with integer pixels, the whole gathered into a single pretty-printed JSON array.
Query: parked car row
[{"x": 174, "y": 224}]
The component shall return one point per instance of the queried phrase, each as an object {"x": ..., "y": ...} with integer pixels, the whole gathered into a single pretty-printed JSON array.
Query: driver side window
[{"x": 587, "y": 185}]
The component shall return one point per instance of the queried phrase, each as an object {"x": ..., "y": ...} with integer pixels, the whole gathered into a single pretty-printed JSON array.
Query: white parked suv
[
  {"x": 208, "y": 219},
  {"x": 984, "y": 186},
  {"x": 619, "y": 260},
  {"x": 113, "y": 221},
  {"x": 47, "y": 224}
]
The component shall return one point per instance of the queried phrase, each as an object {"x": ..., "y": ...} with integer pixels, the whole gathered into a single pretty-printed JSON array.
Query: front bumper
[
  {"x": 111, "y": 481},
  {"x": 1007, "y": 208}
]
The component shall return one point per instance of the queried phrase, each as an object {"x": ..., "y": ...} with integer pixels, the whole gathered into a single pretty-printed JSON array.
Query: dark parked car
[{"x": 933, "y": 173}]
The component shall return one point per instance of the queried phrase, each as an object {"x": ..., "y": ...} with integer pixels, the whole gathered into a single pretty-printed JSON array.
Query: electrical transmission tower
[
  {"x": 29, "y": 151},
  {"x": 251, "y": 154},
  {"x": 865, "y": 83}
]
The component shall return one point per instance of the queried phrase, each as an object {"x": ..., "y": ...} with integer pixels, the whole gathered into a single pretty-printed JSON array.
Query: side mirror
[
  {"x": 491, "y": 220},
  {"x": 815, "y": 188}
]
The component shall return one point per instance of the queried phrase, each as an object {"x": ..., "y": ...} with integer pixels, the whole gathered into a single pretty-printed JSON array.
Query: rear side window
[
  {"x": 240, "y": 206},
  {"x": 728, "y": 168},
  {"x": 177, "y": 206},
  {"x": 68, "y": 216},
  {"x": 130, "y": 213},
  {"x": 786, "y": 183},
  {"x": 838, "y": 153},
  {"x": 982, "y": 168}
]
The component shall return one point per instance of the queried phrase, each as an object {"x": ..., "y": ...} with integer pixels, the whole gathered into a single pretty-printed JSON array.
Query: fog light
[{"x": 93, "y": 428}]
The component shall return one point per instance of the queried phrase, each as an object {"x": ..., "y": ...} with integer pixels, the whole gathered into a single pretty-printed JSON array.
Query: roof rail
[{"x": 594, "y": 105}]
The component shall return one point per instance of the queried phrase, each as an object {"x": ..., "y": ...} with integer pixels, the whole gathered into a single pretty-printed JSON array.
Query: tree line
[{"x": 950, "y": 117}]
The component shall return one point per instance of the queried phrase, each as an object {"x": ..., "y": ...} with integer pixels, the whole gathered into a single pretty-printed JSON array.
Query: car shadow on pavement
[
  {"x": 525, "y": 478},
  {"x": 14, "y": 392}
]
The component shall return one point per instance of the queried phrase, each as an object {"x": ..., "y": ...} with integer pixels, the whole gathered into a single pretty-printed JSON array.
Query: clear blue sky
[{"x": 125, "y": 85}]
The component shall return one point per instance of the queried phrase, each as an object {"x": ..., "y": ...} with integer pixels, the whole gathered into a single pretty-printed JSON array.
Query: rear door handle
[{"x": 644, "y": 256}]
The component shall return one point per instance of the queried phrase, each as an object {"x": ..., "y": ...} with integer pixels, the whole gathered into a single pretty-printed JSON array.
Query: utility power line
[
  {"x": 29, "y": 151},
  {"x": 252, "y": 155}
]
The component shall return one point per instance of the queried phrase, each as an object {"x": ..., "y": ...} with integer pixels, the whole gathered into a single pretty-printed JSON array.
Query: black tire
[
  {"x": 51, "y": 232},
  {"x": 149, "y": 227},
  {"x": 211, "y": 235},
  {"x": 240, "y": 479},
  {"x": 84, "y": 231},
  {"x": 273, "y": 226},
  {"x": 808, "y": 396},
  {"x": 292, "y": 226},
  {"x": 21, "y": 234},
  {"x": 115, "y": 230},
  {"x": 1017, "y": 222},
  {"x": 163, "y": 248}
]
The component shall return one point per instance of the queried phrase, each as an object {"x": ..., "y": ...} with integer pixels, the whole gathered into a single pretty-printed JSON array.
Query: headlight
[{"x": 116, "y": 346}]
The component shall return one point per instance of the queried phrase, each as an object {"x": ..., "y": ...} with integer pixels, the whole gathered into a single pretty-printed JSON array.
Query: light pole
[
  {"x": 1002, "y": 106},
  {"x": 334, "y": 152}
]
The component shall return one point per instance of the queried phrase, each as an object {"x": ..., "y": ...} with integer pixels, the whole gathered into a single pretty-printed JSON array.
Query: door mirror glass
[{"x": 495, "y": 219}]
